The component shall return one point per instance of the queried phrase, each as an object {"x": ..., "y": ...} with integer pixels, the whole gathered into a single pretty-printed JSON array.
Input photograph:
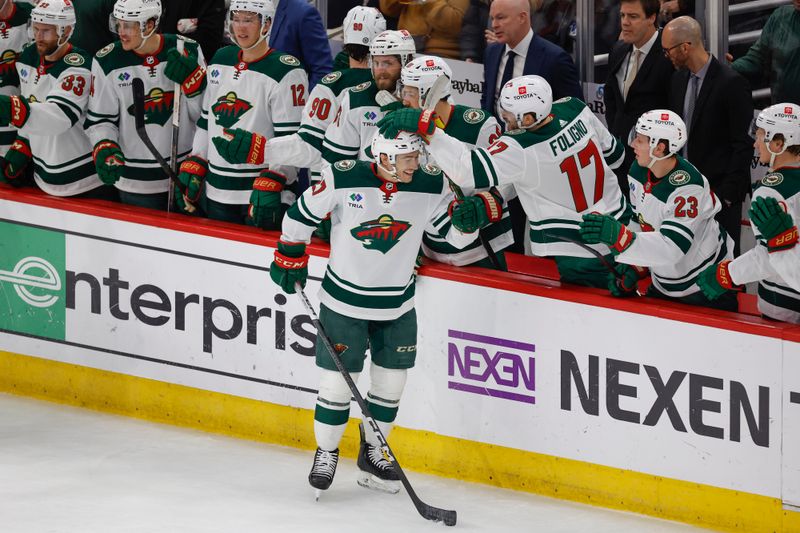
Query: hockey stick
[
  {"x": 176, "y": 128},
  {"x": 439, "y": 90},
  {"x": 141, "y": 130},
  {"x": 426, "y": 511},
  {"x": 608, "y": 266}
]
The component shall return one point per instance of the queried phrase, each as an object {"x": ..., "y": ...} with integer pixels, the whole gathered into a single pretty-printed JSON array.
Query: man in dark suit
[
  {"x": 638, "y": 78},
  {"x": 205, "y": 18},
  {"x": 716, "y": 104},
  {"x": 518, "y": 51},
  {"x": 298, "y": 30}
]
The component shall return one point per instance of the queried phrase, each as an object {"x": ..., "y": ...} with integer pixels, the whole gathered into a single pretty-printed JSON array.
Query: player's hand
[
  {"x": 626, "y": 283},
  {"x": 16, "y": 159},
  {"x": 14, "y": 110},
  {"x": 716, "y": 280},
  {"x": 238, "y": 146},
  {"x": 186, "y": 71},
  {"x": 109, "y": 161},
  {"x": 774, "y": 224},
  {"x": 596, "y": 228},
  {"x": 323, "y": 230},
  {"x": 391, "y": 107},
  {"x": 266, "y": 210},
  {"x": 408, "y": 119},
  {"x": 474, "y": 212},
  {"x": 192, "y": 174},
  {"x": 289, "y": 266}
]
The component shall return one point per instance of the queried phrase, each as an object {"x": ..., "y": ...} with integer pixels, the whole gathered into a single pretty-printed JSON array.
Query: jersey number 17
[{"x": 576, "y": 167}]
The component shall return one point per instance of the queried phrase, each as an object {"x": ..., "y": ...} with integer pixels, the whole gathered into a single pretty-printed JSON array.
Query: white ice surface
[{"x": 70, "y": 470}]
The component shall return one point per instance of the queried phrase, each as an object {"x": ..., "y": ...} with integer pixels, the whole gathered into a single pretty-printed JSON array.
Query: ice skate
[
  {"x": 376, "y": 472},
  {"x": 321, "y": 475}
]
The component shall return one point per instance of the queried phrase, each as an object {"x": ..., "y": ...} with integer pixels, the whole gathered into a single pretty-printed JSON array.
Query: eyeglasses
[{"x": 671, "y": 48}]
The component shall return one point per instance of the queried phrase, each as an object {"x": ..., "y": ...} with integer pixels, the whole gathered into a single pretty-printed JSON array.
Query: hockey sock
[
  {"x": 333, "y": 409},
  {"x": 383, "y": 399}
]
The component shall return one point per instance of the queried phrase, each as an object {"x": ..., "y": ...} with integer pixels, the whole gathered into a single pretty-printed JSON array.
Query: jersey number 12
[{"x": 569, "y": 166}]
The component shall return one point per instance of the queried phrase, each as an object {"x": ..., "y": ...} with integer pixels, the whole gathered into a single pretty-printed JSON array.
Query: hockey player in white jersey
[
  {"x": 558, "y": 157},
  {"x": 14, "y": 18},
  {"x": 674, "y": 233},
  {"x": 355, "y": 123},
  {"x": 379, "y": 212},
  {"x": 252, "y": 88},
  {"x": 473, "y": 127},
  {"x": 303, "y": 148},
  {"x": 141, "y": 52},
  {"x": 49, "y": 114},
  {"x": 775, "y": 260}
]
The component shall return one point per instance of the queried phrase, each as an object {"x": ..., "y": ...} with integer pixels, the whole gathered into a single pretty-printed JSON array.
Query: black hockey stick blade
[
  {"x": 141, "y": 130},
  {"x": 427, "y": 512}
]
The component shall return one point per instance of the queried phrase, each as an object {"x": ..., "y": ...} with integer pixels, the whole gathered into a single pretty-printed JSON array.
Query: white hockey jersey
[
  {"x": 58, "y": 94},
  {"x": 559, "y": 171},
  {"x": 110, "y": 114},
  {"x": 376, "y": 231},
  {"x": 777, "y": 273},
  {"x": 13, "y": 38},
  {"x": 355, "y": 124},
  {"x": 264, "y": 96},
  {"x": 677, "y": 236},
  {"x": 304, "y": 148}
]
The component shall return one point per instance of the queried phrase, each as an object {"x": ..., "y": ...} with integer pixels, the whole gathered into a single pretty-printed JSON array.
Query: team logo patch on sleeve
[
  {"x": 74, "y": 59},
  {"x": 772, "y": 179},
  {"x": 361, "y": 86},
  {"x": 105, "y": 50},
  {"x": 292, "y": 61},
  {"x": 473, "y": 116},
  {"x": 679, "y": 177},
  {"x": 332, "y": 77},
  {"x": 432, "y": 169},
  {"x": 345, "y": 165},
  {"x": 380, "y": 234}
]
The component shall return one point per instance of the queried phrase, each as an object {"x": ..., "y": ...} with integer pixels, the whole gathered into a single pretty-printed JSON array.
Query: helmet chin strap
[
  {"x": 773, "y": 155},
  {"x": 144, "y": 39},
  {"x": 392, "y": 172},
  {"x": 261, "y": 38}
]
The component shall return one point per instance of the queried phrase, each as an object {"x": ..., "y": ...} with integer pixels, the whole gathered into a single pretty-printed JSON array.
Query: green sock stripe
[
  {"x": 381, "y": 413},
  {"x": 330, "y": 416}
]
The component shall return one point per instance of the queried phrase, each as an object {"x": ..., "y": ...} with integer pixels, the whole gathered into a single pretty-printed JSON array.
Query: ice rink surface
[{"x": 70, "y": 470}]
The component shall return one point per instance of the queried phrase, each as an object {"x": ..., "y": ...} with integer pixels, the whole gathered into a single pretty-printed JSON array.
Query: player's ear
[{"x": 266, "y": 27}]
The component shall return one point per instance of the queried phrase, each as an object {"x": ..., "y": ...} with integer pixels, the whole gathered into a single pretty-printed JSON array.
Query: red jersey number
[{"x": 569, "y": 166}]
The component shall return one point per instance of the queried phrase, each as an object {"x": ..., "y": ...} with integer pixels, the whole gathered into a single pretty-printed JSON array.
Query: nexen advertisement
[{"x": 544, "y": 375}]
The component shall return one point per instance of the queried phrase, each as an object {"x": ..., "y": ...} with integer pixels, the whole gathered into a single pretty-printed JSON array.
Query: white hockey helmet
[
  {"x": 265, "y": 9},
  {"x": 136, "y": 11},
  {"x": 422, "y": 72},
  {"x": 362, "y": 24},
  {"x": 404, "y": 143},
  {"x": 660, "y": 125},
  {"x": 527, "y": 94},
  {"x": 59, "y": 13},
  {"x": 393, "y": 43},
  {"x": 783, "y": 119}
]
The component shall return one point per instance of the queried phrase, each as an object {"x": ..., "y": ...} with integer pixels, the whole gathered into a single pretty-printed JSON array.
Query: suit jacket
[
  {"x": 298, "y": 30},
  {"x": 650, "y": 88},
  {"x": 544, "y": 59},
  {"x": 719, "y": 144}
]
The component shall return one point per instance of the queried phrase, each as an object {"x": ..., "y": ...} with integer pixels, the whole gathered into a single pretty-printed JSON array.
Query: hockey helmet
[
  {"x": 393, "y": 43},
  {"x": 660, "y": 125},
  {"x": 422, "y": 72},
  {"x": 362, "y": 24},
  {"x": 59, "y": 13},
  {"x": 136, "y": 11},
  {"x": 265, "y": 9},
  {"x": 527, "y": 94},
  {"x": 404, "y": 143}
]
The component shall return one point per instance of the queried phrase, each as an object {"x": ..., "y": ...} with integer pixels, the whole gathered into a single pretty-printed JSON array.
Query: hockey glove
[
  {"x": 628, "y": 280},
  {"x": 192, "y": 174},
  {"x": 109, "y": 160},
  {"x": 474, "y": 212},
  {"x": 265, "y": 209},
  {"x": 392, "y": 106},
  {"x": 323, "y": 230},
  {"x": 186, "y": 71},
  {"x": 238, "y": 146},
  {"x": 407, "y": 119},
  {"x": 17, "y": 158},
  {"x": 596, "y": 228},
  {"x": 289, "y": 266},
  {"x": 716, "y": 280},
  {"x": 14, "y": 110},
  {"x": 774, "y": 224}
]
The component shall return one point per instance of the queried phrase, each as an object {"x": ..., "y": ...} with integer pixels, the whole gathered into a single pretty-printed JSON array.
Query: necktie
[
  {"x": 508, "y": 73},
  {"x": 632, "y": 71},
  {"x": 691, "y": 90}
]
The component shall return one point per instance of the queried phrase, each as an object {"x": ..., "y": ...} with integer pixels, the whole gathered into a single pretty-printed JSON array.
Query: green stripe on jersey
[
  {"x": 769, "y": 292},
  {"x": 345, "y": 292},
  {"x": 66, "y": 177}
]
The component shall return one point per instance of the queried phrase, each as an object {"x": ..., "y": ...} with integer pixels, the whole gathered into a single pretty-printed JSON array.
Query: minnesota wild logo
[
  {"x": 157, "y": 106},
  {"x": 644, "y": 225},
  {"x": 380, "y": 234},
  {"x": 8, "y": 61},
  {"x": 228, "y": 108}
]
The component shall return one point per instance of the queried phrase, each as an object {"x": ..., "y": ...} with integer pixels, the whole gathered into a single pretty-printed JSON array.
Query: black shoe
[
  {"x": 321, "y": 475},
  {"x": 372, "y": 461}
]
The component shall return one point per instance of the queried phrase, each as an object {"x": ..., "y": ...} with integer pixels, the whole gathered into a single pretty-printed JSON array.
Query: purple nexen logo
[{"x": 490, "y": 366}]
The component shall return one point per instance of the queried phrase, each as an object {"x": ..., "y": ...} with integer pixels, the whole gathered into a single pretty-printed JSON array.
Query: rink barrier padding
[{"x": 539, "y": 387}]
